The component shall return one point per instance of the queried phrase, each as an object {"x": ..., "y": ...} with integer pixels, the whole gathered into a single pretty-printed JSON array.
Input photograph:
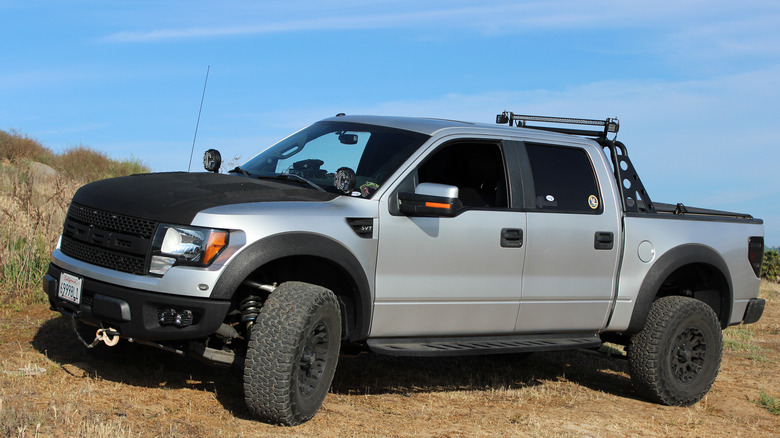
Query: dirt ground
[{"x": 50, "y": 387}]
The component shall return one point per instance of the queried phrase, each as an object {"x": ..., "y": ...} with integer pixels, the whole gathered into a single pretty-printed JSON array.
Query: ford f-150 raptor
[{"x": 409, "y": 237}]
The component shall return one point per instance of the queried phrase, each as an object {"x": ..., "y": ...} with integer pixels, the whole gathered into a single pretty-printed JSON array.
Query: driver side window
[{"x": 477, "y": 169}]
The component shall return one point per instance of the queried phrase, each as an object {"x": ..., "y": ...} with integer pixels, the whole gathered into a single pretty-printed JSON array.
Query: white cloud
[{"x": 496, "y": 17}]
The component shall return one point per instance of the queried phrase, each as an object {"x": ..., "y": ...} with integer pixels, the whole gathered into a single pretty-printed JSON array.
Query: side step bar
[{"x": 474, "y": 345}]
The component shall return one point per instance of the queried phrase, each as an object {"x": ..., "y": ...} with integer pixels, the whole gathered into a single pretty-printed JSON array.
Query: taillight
[{"x": 756, "y": 253}]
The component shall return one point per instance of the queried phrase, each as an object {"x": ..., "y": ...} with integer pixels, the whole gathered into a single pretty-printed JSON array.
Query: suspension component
[
  {"x": 250, "y": 308},
  {"x": 251, "y": 304}
]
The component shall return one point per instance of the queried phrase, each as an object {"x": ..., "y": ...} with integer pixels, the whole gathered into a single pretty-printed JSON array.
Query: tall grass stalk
[{"x": 22, "y": 267}]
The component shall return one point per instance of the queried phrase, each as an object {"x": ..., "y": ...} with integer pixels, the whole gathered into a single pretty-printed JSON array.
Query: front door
[{"x": 448, "y": 276}]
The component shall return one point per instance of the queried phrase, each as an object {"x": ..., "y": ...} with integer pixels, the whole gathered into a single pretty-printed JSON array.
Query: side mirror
[
  {"x": 212, "y": 160},
  {"x": 430, "y": 199}
]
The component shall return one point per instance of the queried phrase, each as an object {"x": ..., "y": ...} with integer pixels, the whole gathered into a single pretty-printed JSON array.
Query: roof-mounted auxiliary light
[{"x": 611, "y": 125}]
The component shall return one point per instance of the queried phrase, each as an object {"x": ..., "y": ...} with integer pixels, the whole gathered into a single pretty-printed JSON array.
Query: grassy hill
[{"x": 36, "y": 186}]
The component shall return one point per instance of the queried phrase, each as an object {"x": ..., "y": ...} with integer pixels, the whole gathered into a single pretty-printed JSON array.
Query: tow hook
[{"x": 109, "y": 337}]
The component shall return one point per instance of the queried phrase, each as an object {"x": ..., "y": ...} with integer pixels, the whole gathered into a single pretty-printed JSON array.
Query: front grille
[
  {"x": 102, "y": 257},
  {"x": 107, "y": 239},
  {"x": 104, "y": 220}
]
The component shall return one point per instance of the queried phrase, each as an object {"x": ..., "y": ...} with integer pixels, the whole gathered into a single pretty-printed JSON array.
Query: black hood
[{"x": 178, "y": 197}]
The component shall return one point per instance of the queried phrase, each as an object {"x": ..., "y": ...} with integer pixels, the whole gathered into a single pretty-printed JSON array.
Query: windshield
[{"x": 326, "y": 149}]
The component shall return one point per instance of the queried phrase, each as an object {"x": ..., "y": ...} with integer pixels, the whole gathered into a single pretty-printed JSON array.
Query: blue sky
[{"x": 696, "y": 84}]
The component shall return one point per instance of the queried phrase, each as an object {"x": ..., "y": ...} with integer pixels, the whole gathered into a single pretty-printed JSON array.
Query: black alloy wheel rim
[
  {"x": 689, "y": 352},
  {"x": 313, "y": 359}
]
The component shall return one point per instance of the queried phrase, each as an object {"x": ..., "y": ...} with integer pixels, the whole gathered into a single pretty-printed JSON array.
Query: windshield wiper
[
  {"x": 284, "y": 176},
  {"x": 298, "y": 178},
  {"x": 240, "y": 171}
]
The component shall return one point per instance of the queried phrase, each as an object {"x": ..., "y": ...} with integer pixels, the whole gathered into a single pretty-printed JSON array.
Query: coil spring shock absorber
[
  {"x": 250, "y": 308},
  {"x": 251, "y": 304}
]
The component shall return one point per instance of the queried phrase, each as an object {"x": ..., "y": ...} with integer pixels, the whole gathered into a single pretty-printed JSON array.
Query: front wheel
[
  {"x": 292, "y": 353},
  {"x": 675, "y": 358}
]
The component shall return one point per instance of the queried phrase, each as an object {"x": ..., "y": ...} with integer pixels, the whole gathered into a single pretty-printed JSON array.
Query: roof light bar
[{"x": 609, "y": 124}]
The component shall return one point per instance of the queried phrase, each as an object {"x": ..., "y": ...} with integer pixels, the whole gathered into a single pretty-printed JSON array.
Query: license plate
[{"x": 70, "y": 288}]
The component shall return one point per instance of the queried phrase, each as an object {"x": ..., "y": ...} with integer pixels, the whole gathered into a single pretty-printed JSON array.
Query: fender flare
[
  {"x": 669, "y": 262},
  {"x": 283, "y": 245}
]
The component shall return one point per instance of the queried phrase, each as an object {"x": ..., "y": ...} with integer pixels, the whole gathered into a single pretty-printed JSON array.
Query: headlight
[{"x": 179, "y": 245}]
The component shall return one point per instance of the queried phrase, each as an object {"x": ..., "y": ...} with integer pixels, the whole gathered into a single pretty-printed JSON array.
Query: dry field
[{"x": 49, "y": 386}]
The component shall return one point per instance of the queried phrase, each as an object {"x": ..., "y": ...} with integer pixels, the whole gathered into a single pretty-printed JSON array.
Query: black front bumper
[{"x": 135, "y": 313}]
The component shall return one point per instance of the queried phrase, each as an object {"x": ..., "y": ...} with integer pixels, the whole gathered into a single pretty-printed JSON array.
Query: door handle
[
  {"x": 511, "y": 238},
  {"x": 604, "y": 240}
]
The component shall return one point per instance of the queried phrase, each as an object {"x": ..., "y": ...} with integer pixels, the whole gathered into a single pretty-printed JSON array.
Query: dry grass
[
  {"x": 33, "y": 206},
  {"x": 87, "y": 165},
  {"x": 33, "y": 210},
  {"x": 16, "y": 148},
  {"x": 49, "y": 386}
]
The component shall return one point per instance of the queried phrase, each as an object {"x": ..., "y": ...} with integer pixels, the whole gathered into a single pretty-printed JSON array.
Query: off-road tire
[
  {"x": 292, "y": 354},
  {"x": 675, "y": 358}
]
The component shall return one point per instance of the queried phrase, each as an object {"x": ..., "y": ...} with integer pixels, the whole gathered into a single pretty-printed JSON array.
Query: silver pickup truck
[{"x": 408, "y": 237}]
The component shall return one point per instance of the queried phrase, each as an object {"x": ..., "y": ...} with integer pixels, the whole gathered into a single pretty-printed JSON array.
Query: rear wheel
[
  {"x": 292, "y": 354},
  {"x": 675, "y": 358}
]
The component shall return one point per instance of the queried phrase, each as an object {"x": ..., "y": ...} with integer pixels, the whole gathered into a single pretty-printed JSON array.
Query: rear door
[{"x": 572, "y": 239}]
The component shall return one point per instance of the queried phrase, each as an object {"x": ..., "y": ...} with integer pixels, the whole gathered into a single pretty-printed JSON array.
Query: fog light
[{"x": 174, "y": 317}]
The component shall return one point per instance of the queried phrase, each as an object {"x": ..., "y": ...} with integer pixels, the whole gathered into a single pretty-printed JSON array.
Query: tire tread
[
  {"x": 273, "y": 352},
  {"x": 647, "y": 355}
]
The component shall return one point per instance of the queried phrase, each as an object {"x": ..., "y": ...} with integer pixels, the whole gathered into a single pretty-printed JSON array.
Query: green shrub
[
  {"x": 768, "y": 402},
  {"x": 770, "y": 269}
]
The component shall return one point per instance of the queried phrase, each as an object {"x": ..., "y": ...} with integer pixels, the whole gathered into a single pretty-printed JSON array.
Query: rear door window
[{"x": 563, "y": 179}]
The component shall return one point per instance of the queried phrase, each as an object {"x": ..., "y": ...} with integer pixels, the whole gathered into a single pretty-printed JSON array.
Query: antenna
[{"x": 199, "y": 111}]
